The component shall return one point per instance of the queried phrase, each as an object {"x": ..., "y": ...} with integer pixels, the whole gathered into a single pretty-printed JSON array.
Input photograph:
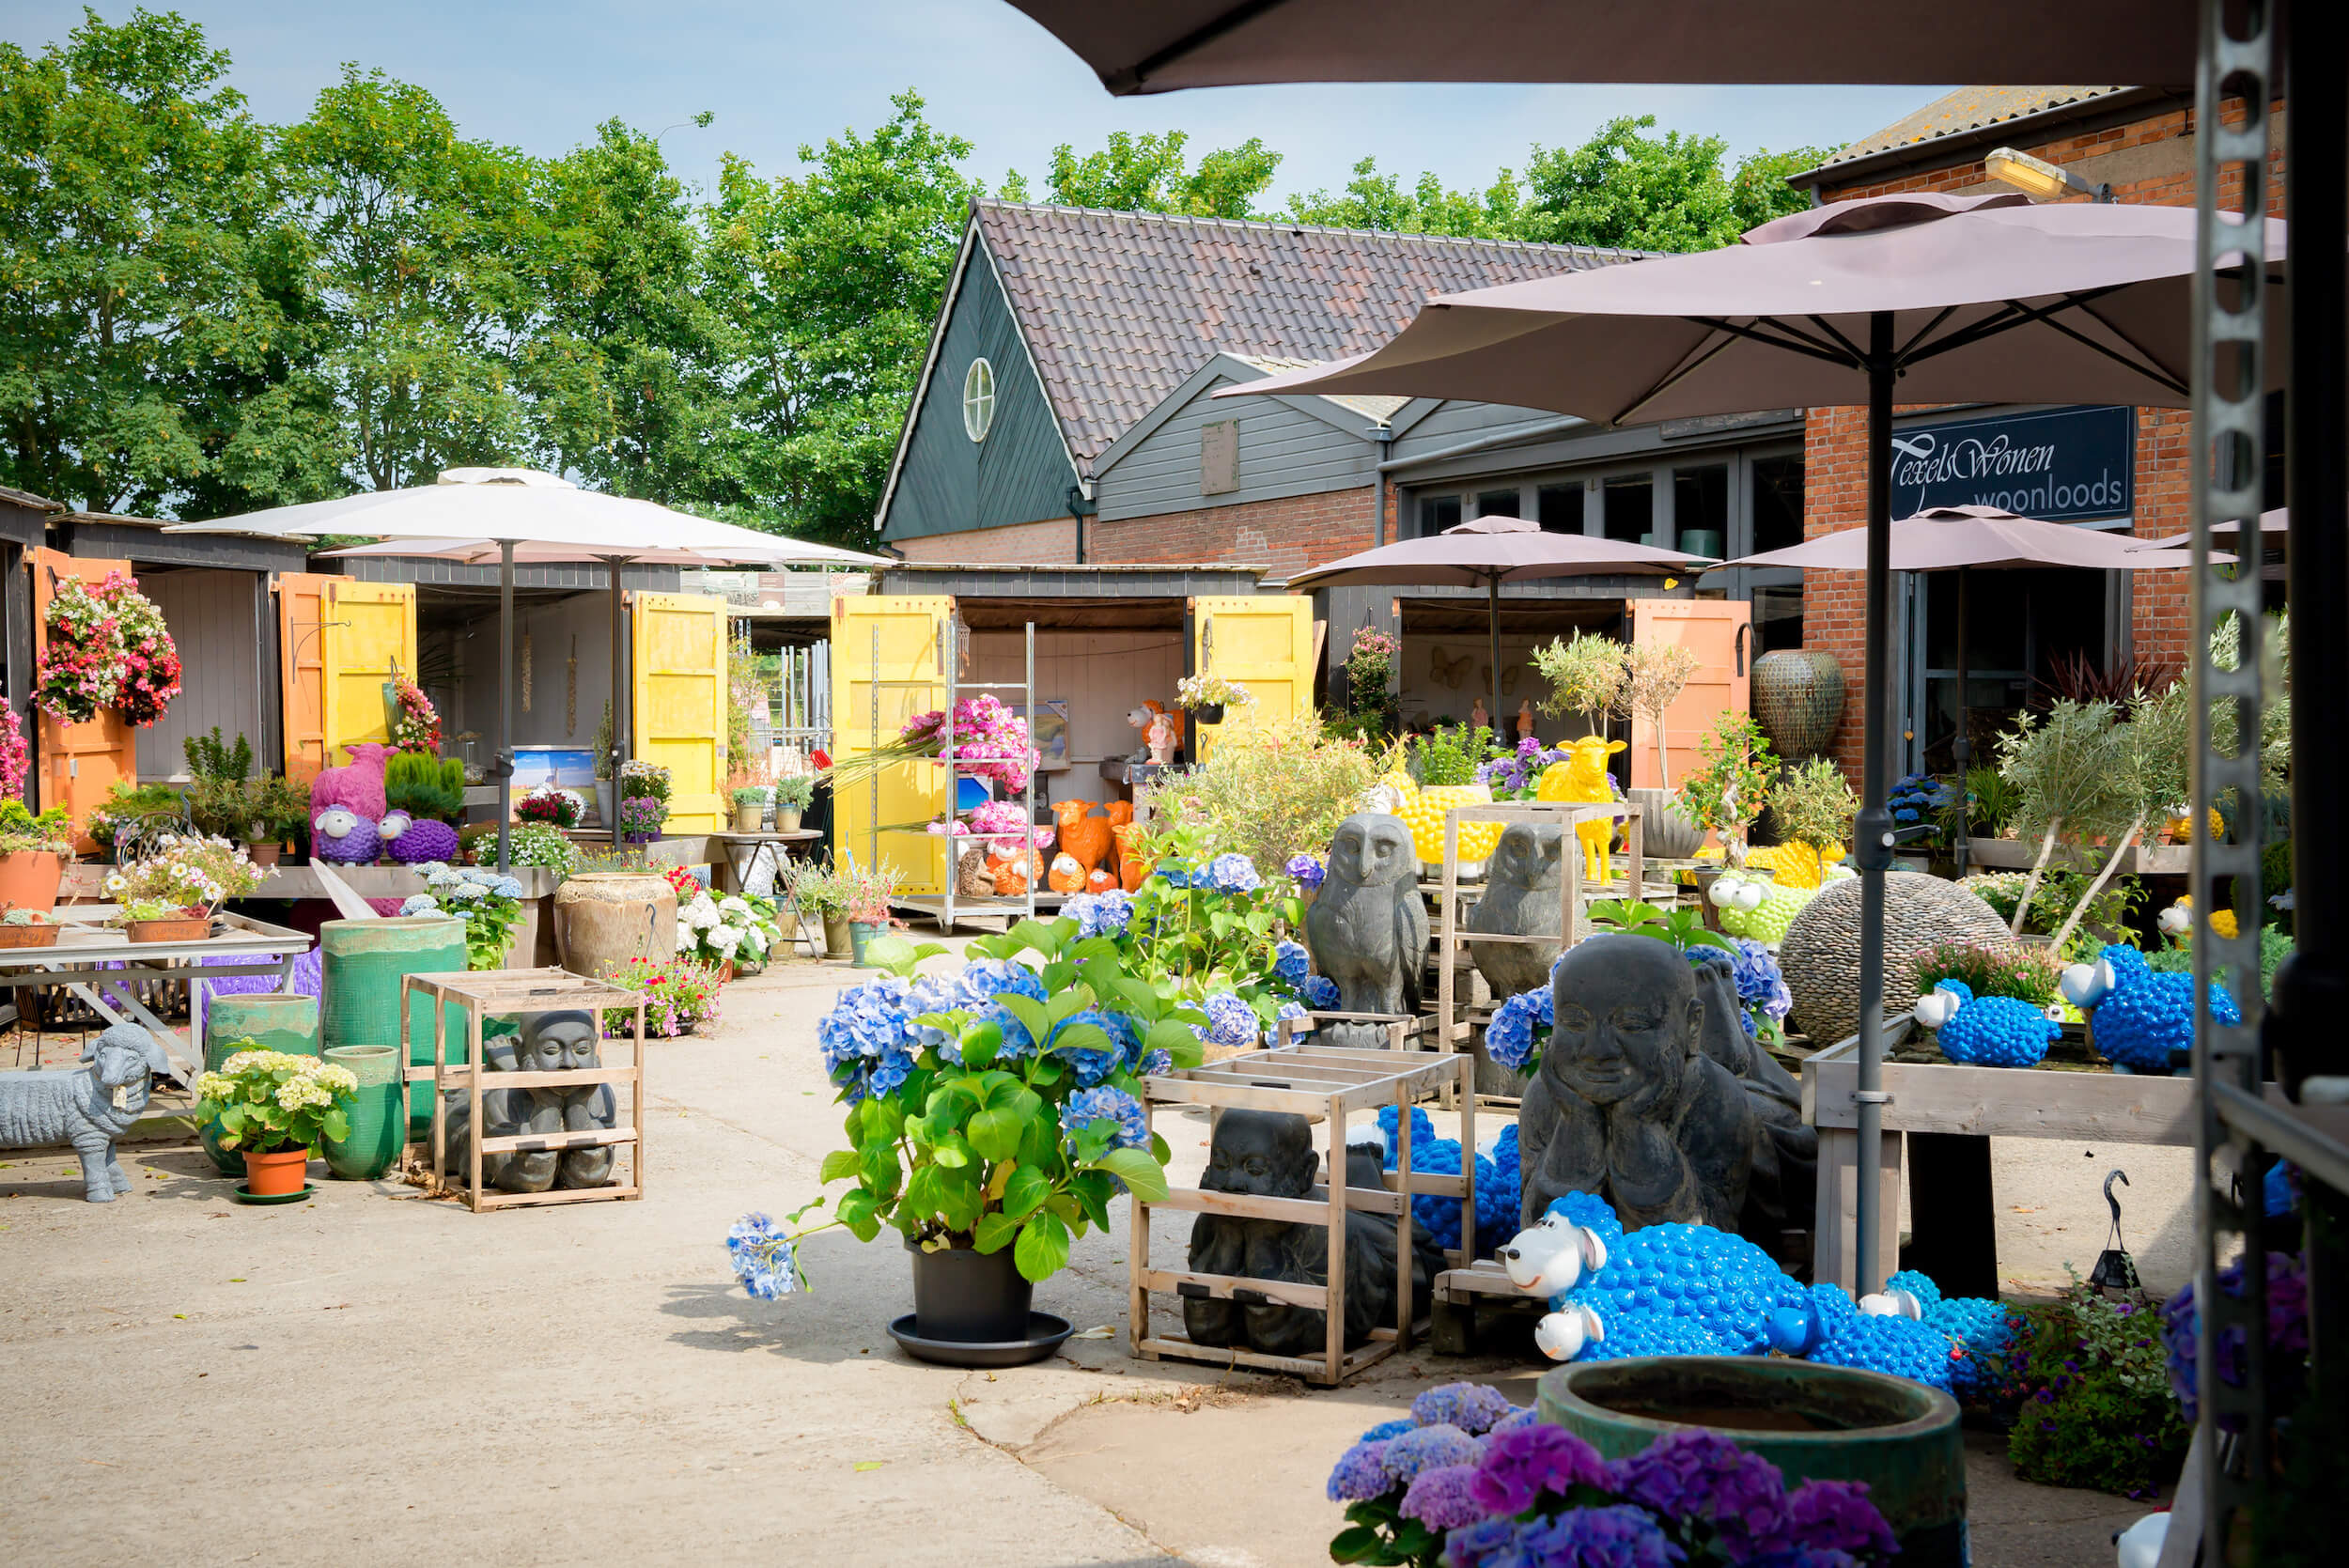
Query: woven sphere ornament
[{"x": 1820, "y": 957}]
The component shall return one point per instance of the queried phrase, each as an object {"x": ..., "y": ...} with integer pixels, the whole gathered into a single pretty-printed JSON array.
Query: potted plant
[
  {"x": 275, "y": 1107},
  {"x": 1207, "y": 695},
  {"x": 644, "y": 801},
  {"x": 607, "y": 802},
  {"x": 870, "y": 891},
  {"x": 819, "y": 892},
  {"x": 994, "y": 1115},
  {"x": 173, "y": 895},
  {"x": 280, "y": 809},
  {"x": 731, "y": 932},
  {"x": 551, "y": 805},
  {"x": 749, "y": 806},
  {"x": 489, "y": 904},
  {"x": 794, "y": 792},
  {"x": 1730, "y": 784},
  {"x": 27, "y": 928},
  {"x": 33, "y": 852}
]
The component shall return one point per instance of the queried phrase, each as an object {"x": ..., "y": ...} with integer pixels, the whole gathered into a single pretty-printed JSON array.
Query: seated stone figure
[
  {"x": 549, "y": 1042},
  {"x": 1626, "y": 1104},
  {"x": 1270, "y": 1155}
]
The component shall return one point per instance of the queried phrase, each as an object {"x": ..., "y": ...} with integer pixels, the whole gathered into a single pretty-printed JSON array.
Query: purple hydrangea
[
  {"x": 1517, "y": 1417},
  {"x": 1306, "y": 869},
  {"x": 1702, "y": 1475},
  {"x": 1469, "y": 1407},
  {"x": 1828, "y": 1516},
  {"x": 1520, "y": 1465},
  {"x": 1443, "y": 1498},
  {"x": 1488, "y": 1544},
  {"x": 1619, "y": 1536},
  {"x": 1360, "y": 1474},
  {"x": 1428, "y": 1447}
]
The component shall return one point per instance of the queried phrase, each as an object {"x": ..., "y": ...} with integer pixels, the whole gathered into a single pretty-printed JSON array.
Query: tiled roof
[
  {"x": 1966, "y": 109},
  {"x": 1120, "y": 308},
  {"x": 1370, "y": 406}
]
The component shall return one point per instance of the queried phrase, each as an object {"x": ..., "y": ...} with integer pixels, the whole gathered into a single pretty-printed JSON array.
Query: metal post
[
  {"x": 619, "y": 693},
  {"x": 1872, "y": 833},
  {"x": 1027, "y": 845},
  {"x": 1962, "y": 749},
  {"x": 2229, "y": 402},
  {"x": 503, "y": 764},
  {"x": 1492, "y": 611}
]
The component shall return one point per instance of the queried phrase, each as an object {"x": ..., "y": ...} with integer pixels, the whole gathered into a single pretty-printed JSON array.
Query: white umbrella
[{"x": 509, "y": 515}]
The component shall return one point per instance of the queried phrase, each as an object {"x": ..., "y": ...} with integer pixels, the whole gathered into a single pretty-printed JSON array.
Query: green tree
[
  {"x": 150, "y": 279},
  {"x": 1628, "y": 189},
  {"x": 1150, "y": 173},
  {"x": 1375, "y": 200},
  {"x": 624, "y": 363},
  {"x": 422, "y": 241},
  {"x": 833, "y": 278}
]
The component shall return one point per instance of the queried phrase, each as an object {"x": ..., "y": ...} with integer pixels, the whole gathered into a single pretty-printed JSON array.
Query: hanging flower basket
[
  {"x": 416, "y": 727},
  {"x": 106, "y": 646},
  {"x": 151, "y": 660}
]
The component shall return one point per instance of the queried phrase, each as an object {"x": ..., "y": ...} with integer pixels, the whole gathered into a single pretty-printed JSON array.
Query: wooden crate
[
  {"x": 1332, "y": 1081},
  {"x": 480, "y": 992},
  {"x": 1460, "y": 1291}
]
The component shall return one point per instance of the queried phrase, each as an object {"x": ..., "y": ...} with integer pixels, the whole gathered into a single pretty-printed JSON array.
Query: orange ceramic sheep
[
  {"x": 1084, "y": 840},
  {"x": 1013, "y": 869}
]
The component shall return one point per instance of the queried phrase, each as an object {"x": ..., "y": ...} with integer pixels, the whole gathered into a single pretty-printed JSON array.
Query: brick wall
[
  {"x": 2148, "y": 162},
  {"x": 1049, "y": 543},
  {"x": 1288, "y": 534}
]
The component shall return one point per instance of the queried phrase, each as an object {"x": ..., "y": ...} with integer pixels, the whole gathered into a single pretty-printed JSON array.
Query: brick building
[{"x": 2140, "y": 141}]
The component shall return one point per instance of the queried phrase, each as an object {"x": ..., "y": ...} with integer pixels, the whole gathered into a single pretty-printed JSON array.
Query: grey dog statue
[{"x": 86, "y": 1107}]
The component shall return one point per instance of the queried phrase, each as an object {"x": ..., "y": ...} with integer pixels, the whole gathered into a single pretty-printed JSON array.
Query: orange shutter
[
  {"x": 302, "y": 670},
  {"x": 1721, "y": 632},
  {"x": 80, "y": 764}
]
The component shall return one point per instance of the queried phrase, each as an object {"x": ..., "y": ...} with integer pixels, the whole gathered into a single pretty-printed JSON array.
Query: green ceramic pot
[{"x": 378, "y": 1128}]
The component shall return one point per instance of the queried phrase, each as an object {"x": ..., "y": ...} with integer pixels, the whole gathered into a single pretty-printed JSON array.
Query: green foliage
[
  {"x": 1273, "y": 788},
  {"x": 265, "y": 1100},
  {"x": 539, "y": 844},
  {"x": 1813, "y": 804},
  {"x": 2274, "y": 945},
  {"x": 1451, "y": 755},
  {"x": 796, "y": 789},
  {"x": 2023, "y": 971},
  {"x": 208, "y": 759},
  {"x": 1150, "y": 173},
  {"x": 134, "y": 810},
  {"x": 1730, "y": 782},
  {"x": 1203, "y": 939},
  {"x": 2096, "y": 1409},
  {"x": 2060, "y": 890},
  {"x": 1683, "y": 928},
  {"x": 20, "y": 831},
  {"x": 282, "y": 807},
  {"x": 1586, "y": 676},
  {"x": 1378, "y": 201},
  {"x": 604, "y": 746},
  {"x": 424, "y": 786},
  {"x": 1990, "y": 805},
  {"x": 750, "y": 795},
  {"x": 2072, "y": 771}
]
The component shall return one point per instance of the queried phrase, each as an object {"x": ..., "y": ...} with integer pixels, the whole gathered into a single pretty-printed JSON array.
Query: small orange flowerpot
[
  {"x": 276, "y": 1174},
  {"x": 29, "y": 878}
]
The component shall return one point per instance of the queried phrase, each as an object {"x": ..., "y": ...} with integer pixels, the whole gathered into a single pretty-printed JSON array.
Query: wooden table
[
  {"x": 742, "y": 850},
  {"x": 85, "y": 948}
]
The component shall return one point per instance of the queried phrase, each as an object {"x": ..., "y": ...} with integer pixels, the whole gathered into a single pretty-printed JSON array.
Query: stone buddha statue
[{"x": 547, "y": 1042}]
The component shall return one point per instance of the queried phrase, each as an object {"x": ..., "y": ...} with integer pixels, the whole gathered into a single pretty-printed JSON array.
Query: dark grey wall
[
  {"x": 1283, "y": 451},
  {"x": 1020, "y": 472}
]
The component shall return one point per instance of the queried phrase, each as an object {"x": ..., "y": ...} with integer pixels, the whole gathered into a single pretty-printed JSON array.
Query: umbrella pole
[
  {"x": 1962, "y": 747},
  {"x": 1872, "y": 837},
  {"x": 619, "y": 698},
  {"x": 1492, "y": 631},
  {"x": 504, "y": 760}
]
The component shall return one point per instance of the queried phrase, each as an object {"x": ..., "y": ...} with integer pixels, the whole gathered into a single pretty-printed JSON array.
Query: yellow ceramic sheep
[{"x": 1583, "y": 777}]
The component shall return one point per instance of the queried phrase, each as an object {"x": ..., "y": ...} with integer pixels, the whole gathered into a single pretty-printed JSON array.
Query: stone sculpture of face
[
  {"x": 1371, "y": 849},
  {"x": 1265, "y": 1154},
  {"x": 1628, "y": 1017},
  {"x": 555, "y": 1042}
]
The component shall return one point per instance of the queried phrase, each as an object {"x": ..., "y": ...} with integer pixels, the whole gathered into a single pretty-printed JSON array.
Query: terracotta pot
[
  {"x": 179, "y": 929},
  {"x": 264, "y": 854},
  {"x": 603, "y": 919},
  {"x": 29, "y": 878},
  {"x": 43, "y": 935},
  {"x": 277, "y": 1173}
]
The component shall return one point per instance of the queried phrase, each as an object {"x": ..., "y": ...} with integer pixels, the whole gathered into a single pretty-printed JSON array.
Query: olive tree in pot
[{"x": 993, "y": 1114}]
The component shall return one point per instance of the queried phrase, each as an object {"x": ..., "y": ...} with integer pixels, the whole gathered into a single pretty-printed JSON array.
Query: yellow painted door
[
  {"x": 885, "y": 669},
  {"x": 302, "y": 670},
  {"x": 1264, "y": 642},
  {"x": 80, "y": 764},
  {"x": 1721, "y": 634},
  {"x": 367, "y": 637},
  {"x": 678, "y": 710}
]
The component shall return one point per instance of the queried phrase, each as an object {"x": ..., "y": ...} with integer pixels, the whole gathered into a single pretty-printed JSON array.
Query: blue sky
[{"x": 540, "y": 75}]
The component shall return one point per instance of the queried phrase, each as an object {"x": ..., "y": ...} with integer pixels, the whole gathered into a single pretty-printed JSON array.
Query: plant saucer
[{"x": 243, "y": 1196}]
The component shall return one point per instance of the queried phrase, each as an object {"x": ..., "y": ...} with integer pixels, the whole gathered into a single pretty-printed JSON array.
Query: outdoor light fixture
[{"x": 2038, "y": 178}]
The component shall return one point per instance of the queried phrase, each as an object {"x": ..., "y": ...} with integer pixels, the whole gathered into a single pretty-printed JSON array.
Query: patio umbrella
[
  {"x": 1488, "y": 551},
  {"x": 1154, "y": 46},
  {"x": 1956, "y": 299},
  {"x": 2274, "y": 524},
  {"x": 526, "y": 516},
  {"x": 1964, "y": 539}
]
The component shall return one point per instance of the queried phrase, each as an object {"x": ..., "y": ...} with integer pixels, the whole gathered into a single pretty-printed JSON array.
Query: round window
[{"x": 978, "y": 399}]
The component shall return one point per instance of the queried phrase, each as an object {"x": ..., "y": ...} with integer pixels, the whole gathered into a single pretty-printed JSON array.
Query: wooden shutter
[
  {"x": 886, "y": 668},
  {"x": 679, "y": 703},
  {"x": 302, "y": 670},
  {"x": 367, "y": 637},
  {"x": 1264, "y": 642},
  {"x": 79, "y": 763},
  {"x": 1721, "y": 632}
]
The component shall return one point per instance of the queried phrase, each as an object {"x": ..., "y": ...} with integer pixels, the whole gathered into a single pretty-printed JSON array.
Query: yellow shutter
[
  {"x": 680, "y": 705},
  {"x": 302, "y": 670},
  {"x": 1264, "y": 642},
  {"x": 885, "y": 652},
  {"x": 369, "y": 636}
]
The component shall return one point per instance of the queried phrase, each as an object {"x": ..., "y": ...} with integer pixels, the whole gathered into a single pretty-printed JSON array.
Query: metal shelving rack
[{"x": 950, "y": 906}]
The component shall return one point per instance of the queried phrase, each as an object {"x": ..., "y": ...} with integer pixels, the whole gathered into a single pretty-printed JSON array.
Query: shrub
[
  {"x": 2096, "y": 1409},
  {"x": 2018, "y": 970},
  {"x": 1276, "y": 788},
  {"x": 1813, "y": 804},
  {"x": 1449, "y": 756}
]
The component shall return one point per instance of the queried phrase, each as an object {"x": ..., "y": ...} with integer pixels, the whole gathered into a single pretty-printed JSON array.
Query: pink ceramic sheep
[{"x": 358, "y": 785}]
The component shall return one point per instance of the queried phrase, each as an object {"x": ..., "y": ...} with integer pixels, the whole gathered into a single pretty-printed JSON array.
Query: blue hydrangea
[
  {"x": 985, "y": 979},
  {"x": 1291, "y": 962},
  {"x": 1296, "y": 1012},
  {"x": 935, "y": 993},
  {"x": 1520, "y": 1027},
  {"x": 1232, "y": 872},
  {"x": 1100, "y": 914},
  {"x": 1306, "y": 869},
  {"x": 1178, "y": 875},
  {"x": 1619, "y": 1536},
  {"x": 1761, "y": 984},
  {"x": 1428, "y": 1447},
  {"x": 1321, "y": 992},
  {"x": 1154, "y": 1062},
  {"x": 1470, "y": 1407},
  {"x": 867, "y": 1025},
  {"x": 1385, "y": 1430},
  {"x": 1088, "y": 1106},
  {"x": 1230, "y": 1021},
  {"x": 504, "y": 887},
  {"x": 1360, "y": 1474},
  {"x": 420, "y": 904},
  {"x": 762, "y": 1258},
  {"x": 1091, "y": 1063}
]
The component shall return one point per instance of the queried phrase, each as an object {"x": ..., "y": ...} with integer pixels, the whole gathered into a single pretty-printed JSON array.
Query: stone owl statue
[
  {"x": 1367, "y": 928},
  {"x": 1521, "y": 899}
]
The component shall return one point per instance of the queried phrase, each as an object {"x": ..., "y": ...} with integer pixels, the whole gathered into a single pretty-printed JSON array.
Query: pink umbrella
[
  {"x": 1962, "y": 539},
  {"x": 1486, "y": 551},
  {"x": 2277, "y": 524}
]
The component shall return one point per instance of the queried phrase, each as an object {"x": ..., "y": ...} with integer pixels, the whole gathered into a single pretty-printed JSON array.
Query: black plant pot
[
  {"x": 975, "y": 1297},
  {"x": 1209, "y": 713}
]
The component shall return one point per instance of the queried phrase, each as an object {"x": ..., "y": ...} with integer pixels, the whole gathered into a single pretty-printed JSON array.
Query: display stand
[
  {"x": 1330, "y": 1082},
  {"x": 480, "y": 992}
]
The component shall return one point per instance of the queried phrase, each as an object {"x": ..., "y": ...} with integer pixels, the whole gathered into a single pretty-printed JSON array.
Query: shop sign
[{"x": 2062, "y": 465}]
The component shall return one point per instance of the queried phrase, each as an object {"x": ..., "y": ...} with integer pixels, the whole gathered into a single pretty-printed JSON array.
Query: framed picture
[{"x": 1049, "y": 730}]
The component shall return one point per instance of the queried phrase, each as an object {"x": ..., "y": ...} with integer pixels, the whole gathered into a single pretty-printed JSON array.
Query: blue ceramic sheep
[
  {"x": 1985, "y": 1031},
  {"x": 2139, "y": 1018}
]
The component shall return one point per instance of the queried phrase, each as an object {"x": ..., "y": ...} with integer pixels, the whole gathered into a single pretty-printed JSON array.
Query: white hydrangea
[
  {"x": 755, "y": 939},
  {"x": 723, "y": 940}
]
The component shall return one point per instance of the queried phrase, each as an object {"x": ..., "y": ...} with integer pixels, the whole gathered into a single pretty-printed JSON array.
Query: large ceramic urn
[
  {"x": 604, "y": 919},
  {"x": 1798, "y": 700}
]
